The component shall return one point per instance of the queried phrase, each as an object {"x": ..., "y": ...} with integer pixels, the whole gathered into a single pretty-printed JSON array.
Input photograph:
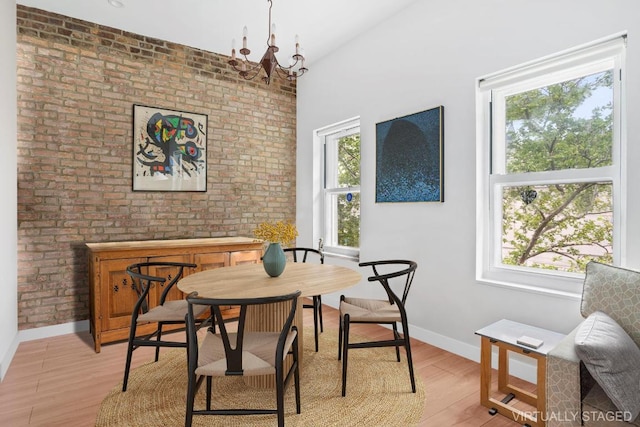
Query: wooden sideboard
[{"x": 111, "y": 295}]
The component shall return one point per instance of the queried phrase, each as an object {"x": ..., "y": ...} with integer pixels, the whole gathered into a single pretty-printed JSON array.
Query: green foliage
[
  {"x": 349, "y": 175},
  {"x": 566, "y": 225}
]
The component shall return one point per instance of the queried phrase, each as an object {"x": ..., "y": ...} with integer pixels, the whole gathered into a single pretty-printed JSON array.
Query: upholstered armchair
[{"x": 577, "y": 393}]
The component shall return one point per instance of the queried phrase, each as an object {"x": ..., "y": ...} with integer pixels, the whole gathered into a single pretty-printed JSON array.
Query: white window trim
[
  {"x": 568, "y": 285},
  {"x": 344, "y": 127}
]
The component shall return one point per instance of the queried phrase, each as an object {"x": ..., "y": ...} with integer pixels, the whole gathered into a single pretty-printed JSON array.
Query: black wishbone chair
[
  {"x": 243, "y": 353},
  {"x": 165, "y": 313},
  {"x": 301, "y": 255},
  {"x": 390, "y": 312}
]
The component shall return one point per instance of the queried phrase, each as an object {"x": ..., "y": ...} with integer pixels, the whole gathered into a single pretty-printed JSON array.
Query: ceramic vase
[{"x": 274, "y": 260}]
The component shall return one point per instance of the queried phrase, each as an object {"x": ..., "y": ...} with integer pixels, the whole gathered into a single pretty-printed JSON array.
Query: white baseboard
[
  {"x": 517, "y": 367},
  {"x": 8, "y": 357},
  {"x": 38, "y": 333},
  {"x": 54, "y": 330}
]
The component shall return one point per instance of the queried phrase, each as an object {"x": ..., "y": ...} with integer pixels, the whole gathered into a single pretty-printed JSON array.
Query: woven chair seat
[
  {"x": 170, "y": 311},
  {"x": 369, "y": 310},
  {"x": 258, "y": 355}
]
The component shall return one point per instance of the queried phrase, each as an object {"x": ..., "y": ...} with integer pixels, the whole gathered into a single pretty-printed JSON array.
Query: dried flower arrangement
[{"x": 279, "y": 232}]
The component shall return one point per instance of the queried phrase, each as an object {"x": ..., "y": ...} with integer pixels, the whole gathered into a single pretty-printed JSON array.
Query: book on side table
[{"x": 530, "y": 341}]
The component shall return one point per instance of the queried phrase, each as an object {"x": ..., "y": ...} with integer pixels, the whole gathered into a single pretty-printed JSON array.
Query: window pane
[
  {"x": 349, "y": 161},
  {"x": 349, "y": 220},
  {"x": 561, "y": 126},
  {"x": 344, "y": 227},
  {"x": 557, "y": 226}
]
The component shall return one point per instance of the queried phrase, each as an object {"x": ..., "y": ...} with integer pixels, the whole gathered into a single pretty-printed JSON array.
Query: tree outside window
[
  {"x": 565, "y": 126},
  {"x": 348, "y": 230},
  {"x": 550, "y": 182}
]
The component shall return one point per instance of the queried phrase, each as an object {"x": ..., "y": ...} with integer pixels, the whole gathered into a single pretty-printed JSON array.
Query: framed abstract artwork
[
  {"x": 169, "y": 150},
  {"x": 410, "y": 158}
]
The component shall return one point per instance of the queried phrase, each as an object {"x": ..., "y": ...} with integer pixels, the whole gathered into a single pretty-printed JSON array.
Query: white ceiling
[{"x": 322, "y": 25}]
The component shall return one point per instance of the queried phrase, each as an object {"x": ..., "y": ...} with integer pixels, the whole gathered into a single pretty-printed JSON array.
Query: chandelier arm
[
  {"x": 298, "y": 59},
  {"x": 282, "y": 71},
  {"x": 290, "y": 67},
  {"x": 245, "y": 73}
]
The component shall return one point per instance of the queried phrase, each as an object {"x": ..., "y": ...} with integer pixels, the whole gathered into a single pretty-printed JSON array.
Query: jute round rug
[{"x": 378, "y": 392}]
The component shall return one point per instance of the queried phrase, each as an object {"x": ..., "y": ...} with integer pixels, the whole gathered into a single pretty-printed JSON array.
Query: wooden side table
[{"x": 505, "y": 334}]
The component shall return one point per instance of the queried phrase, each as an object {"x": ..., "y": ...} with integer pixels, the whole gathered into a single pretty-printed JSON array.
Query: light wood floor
[{"x": 61, "y": 381}]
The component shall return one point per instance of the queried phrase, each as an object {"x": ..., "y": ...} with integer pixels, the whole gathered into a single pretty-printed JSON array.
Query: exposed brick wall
[{"x": 77, "y": 83}]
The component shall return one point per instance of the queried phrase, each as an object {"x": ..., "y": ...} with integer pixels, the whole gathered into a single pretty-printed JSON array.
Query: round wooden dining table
[{"x": 251, "y": 281}]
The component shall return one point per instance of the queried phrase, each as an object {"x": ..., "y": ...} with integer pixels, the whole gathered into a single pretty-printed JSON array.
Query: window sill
[
  {"x": 547, "y": 291},
  {"x": 350, "y": 257}
]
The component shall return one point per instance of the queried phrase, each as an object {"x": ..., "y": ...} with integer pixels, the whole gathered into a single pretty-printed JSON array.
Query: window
[
  {"x": 550, "y": 168},
  {"x": 339, "y": 192}
]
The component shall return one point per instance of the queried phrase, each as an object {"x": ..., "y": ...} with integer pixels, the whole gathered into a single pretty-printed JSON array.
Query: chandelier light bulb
[
  {"x": 273, "y": 34},
  {"x": 245, "y": 32},
  {"x": 116, "y": 3}
]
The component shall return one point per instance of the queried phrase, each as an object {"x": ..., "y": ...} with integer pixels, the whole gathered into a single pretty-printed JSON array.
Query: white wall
[
  {"x": 8, "y": 172},
  {"x": 429, "y": 55}
]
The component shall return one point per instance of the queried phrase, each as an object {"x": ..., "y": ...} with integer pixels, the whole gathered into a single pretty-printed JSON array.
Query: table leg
[
  {"x": 270, "y": 318},
  {"x": 537, "y": 400},
  {"x": 503, "y": 370},
  {"x": 485, "y": 371}
]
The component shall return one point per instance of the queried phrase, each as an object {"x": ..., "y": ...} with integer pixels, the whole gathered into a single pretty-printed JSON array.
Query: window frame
[
  {"x": 491, "y": 91},
  {"x": 325, "y": 221}
]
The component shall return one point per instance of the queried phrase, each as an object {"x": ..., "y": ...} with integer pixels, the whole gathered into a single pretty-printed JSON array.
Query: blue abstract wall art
[{"x": 410, "y": 158}]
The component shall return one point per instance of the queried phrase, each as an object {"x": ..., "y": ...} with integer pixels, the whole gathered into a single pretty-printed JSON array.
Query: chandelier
[{"x": 269, "y": 62}]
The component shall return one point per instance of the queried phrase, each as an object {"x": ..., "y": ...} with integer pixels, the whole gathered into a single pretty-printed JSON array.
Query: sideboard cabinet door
[
  {"x": 117, "y": 294},
  {"x": 210, "y": 260},
  {"x": 169, "y": 273},
  {"x": 245, "y": 257}
]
